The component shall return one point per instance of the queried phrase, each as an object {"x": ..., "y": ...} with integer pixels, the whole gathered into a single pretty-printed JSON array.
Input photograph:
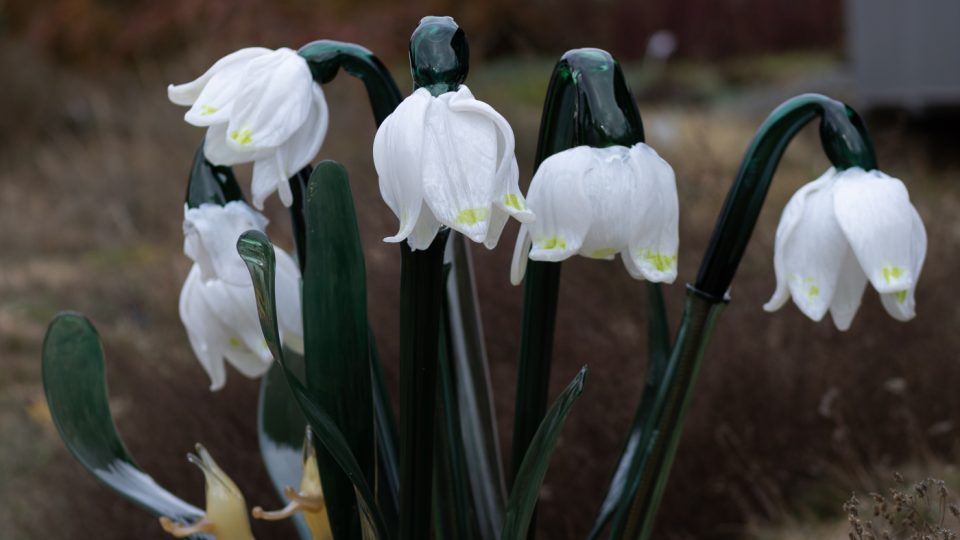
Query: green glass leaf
[
  {"x": 453, "y": 503},
  {"x": 257, "y": 252},
  {"x": 533, "y": 468},
  {"x": 471, "y": 389},
  {"x": 76, "y": 389},
  {"x": 658, "y": 352},
  {"x": 211, "y": 183},
  {"x": 336, "y": 332},
  {"x": 388, "y": 477},
  {"x": 280, "y": 430}
]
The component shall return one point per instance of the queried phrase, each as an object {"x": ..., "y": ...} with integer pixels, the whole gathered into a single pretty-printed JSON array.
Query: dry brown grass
[{"x": 92, "y": 174}]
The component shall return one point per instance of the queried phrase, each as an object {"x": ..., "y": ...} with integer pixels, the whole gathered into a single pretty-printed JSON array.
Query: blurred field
[{"x": 790, "y": 416}]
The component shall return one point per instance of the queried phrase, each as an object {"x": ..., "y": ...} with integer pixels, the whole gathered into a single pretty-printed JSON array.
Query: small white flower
[
  {"x": 840, "y": 231},
  {"x": 217, "y": 303},
  {"x": 598, "y": 202},
  {"x": 455, "y": 154},
  {"x": 259, "y": 106}
]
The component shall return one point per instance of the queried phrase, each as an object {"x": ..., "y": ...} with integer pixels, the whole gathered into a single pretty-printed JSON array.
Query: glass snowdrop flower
[
  {"x": 839, "y": 232},
  {"x": 598, "y": 202},
  {"x": 261, "y": 106},
  {"x": 448, "y": 161},
  {"x": 217, "y": 303},
  {"x": 226, "y": 515}
]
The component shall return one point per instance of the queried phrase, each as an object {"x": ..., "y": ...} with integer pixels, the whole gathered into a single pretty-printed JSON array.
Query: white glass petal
[
  {"x": 814, "y": 254},
  {"x": 215, "y": 102},
  {"x": 630, "y": 265},
  {"x": 268, "y": 176},
  {"x": 274, "y": 101},
  {"x": 300, "y": 149},
  {"x": 187, "y": 93},
  {"x": 203, "y": 330},
  {"x": 218, "y": 152},
  {"x": 460, "y": 166},
  {"x": 396, "y": 156},
  {"x": 849, "y": 292},
  {"x": 498, "y": 220},
  {"x": 654, "y": 248},
  {"x": 507, "y": 194},
  {"x": 558, "y": 197},
  {"x": 510, "y": 199},
  {"x": 792, "y": 213},
  {"x": 875, "y": 214},
  {"x": 210, "y": 239},
  {"x": 901, "y": 305},
  {"x": 235, "y": 307},
  {"x": 289, "y": 311},
  {"x": 518, "y": 267},
  {"x": 424, "y": 231},
  {"x": 615, "y": 189}
]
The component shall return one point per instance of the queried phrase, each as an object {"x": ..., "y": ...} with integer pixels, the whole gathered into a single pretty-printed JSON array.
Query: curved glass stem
[
  {"x": 844, "y": 139},
  {"x": 588, "y": 103},
  {"x": 847, "y": 144},
  {"x": 326, "y": 57}
]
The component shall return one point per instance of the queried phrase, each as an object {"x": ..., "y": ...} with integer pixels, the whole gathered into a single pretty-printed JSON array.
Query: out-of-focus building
[{"x": 905, "y": 53}]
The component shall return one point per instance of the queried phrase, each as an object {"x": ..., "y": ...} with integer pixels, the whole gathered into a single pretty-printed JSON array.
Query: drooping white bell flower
[
  {"x": 217, "y": 304},
  {"x": 448, "y": 161},
  {"x": 598, "y": 202},
  {"x": 259, "y": 106},
  {"x": 839, "y": 232}
]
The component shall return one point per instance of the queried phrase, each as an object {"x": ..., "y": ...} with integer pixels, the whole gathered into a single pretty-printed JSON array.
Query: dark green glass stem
[
  {"x": 658, "y": 351},
  {"x": 326, "y": 58},
  {"x": 661, "y": 434},
  {"x": 209, "y": 183},
  {"x": 844, "y": 139},
  {"x": 298, "y": 186},
  {"x": 437, "y": 62},
  {"x": 847, "y": 144},
  {"x": 588, "y": 103},
  {"x": 421, "y": 302}
]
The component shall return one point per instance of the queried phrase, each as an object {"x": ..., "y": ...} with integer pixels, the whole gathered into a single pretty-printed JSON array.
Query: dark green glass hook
[
  {"x": 846, "y": 143},
  {"x": 439, "y": 55},
  {"x": 588, "y": 102}
]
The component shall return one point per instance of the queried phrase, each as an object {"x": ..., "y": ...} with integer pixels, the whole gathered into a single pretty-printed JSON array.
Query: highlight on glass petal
[{"x": 480, "y": 270}]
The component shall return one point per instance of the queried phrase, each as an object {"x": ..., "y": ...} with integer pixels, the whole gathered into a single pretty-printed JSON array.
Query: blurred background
[{"x": 790, "y": 416}]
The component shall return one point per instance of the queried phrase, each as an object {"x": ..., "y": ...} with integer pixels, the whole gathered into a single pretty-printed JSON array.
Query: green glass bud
[
  {"x": 439, "y": 55},
  {"x": 588, "y": 103}
]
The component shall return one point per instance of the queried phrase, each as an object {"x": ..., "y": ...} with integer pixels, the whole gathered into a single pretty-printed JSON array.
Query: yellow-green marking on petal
[
  {"x": 891, "y": 273},
  {"x": 234, "y": 342},
  {"x": 472, "y": 216},
  {"x": 603, "y": 253},
  {"x": 513, "y": 201},
  {"x": 242, "y": 137},
  {"x": 813, "y": 291},
  {"x": 553, "y": 243},
  {"x": 660, "y": 261},
  {"x": 207, "y": 110},
  {"x": 901, "y": 296}
]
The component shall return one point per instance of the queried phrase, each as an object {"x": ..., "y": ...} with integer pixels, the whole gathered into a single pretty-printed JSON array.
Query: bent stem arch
[
  {"x": 588, "y": 103},
  {"x": 847, "y": 144}
]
